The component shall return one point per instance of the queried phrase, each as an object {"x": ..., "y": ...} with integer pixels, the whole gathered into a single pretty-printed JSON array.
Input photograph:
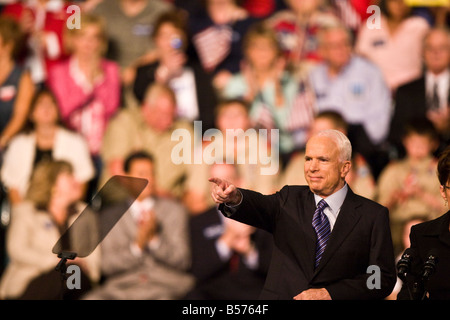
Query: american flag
[
  {"x": 213, "y": 45},
  {"x": 300, "y": 116},
  {"x": 302, "y": 110},
  {"x": 264, "y": 118},
  {"x": 350, "y": 17}
]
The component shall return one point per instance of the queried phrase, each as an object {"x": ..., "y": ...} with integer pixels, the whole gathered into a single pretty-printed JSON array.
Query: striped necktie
[
  {"x": 434, "y": 101},
  {"x": 322, "y": 227}
]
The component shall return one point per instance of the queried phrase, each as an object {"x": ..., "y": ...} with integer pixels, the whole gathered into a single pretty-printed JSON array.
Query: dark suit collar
[
  {"x": 346, "y": 220},
  {"x": 439, "y": 228}
]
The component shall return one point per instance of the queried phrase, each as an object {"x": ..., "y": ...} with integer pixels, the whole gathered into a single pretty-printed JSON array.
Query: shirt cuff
[
  {"x": 135, "y": 250},
  {"x": 235, "y": 205},
  {"x": 154, "y": 243},
  {"x": 223, "y": 251},
  {"x": 251, "y": 260}
]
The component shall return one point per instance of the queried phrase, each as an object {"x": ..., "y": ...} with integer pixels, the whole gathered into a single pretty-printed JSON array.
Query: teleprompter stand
[{"x": 96, "y": 220}]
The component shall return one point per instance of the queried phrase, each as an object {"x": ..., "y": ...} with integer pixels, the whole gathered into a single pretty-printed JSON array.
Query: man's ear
[{"x": 346, "y": 167}]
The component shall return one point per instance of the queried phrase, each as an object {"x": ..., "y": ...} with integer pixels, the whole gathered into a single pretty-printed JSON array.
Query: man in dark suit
[
  {"x": 321, "y": 252},
  {"x": 427, "y": 96}
]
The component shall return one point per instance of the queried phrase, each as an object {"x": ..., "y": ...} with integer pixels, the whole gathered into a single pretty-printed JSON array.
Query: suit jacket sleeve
[{"x": 256, "y": 209}]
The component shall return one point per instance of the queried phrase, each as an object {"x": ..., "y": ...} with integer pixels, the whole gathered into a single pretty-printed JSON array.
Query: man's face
[
  {"x": 261, "y": 53},
  {"x": 324, "y": 171},
  {"x": 336, "y": 48},
  {"x": 418, "y": 146},
  {"x": 143, "y": 168},
  {"x": 233, "y": 116},
  {"x": 437, "y": 51},
  {"x": 160, "y": 114}
]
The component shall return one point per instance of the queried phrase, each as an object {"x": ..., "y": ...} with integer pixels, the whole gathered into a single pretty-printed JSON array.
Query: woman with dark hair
[
  {"x": 432, "y": 238},
  {"x": 51, "y": 205},
  {"x": 195, "y": 95},
  {"x": 43, "y": 137}
]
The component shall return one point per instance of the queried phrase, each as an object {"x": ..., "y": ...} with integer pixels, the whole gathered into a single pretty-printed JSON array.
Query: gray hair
[
  {"x": 433, "y": 30},
  {"x": 342, "y": 142},
  {"x": 332, "y": 27}
]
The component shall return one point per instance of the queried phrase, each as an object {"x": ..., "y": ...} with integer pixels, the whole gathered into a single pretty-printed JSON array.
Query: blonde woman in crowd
[{"x": 51, "y": 205}]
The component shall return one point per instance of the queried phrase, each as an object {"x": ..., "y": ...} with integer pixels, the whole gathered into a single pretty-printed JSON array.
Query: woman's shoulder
[
  {"x": 24, "y": 208},
  {"x": 432, "y": 226},
  {"x": 20, "y": 140},
  {"x": 416, "y": 23}
]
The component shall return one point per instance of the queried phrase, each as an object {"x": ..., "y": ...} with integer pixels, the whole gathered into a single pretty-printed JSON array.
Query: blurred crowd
[{"x": 80, "y": 105}]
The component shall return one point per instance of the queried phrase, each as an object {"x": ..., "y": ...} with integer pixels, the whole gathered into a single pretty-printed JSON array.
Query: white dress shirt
[
  {"x": 359, "y": 93},
  {"x": 136, "y": 210},
  {"x": 443, "y": 82},
  {"x": 334, "y": 202}
]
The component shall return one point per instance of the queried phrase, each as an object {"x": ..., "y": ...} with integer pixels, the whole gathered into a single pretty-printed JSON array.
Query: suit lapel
[
  {"x": 309, "y": 235},
  {"x": 346, "y": 220}
]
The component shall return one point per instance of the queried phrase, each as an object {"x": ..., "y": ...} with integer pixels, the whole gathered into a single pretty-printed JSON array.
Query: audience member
[
  {"x": 359, "y": 177},
  {"x": 408, "y": 187},
  {"x": 396, "y": 46},
  {"x": 87, "y": 86},
  {"x": 216, "y": 35},
  {"x": 16, "y": 85},
  {"x": 129, "y": 24},
  {"x": 229, "y": 259},
  {"x": 428, "y": 96},
  {"x": 355, "y": 88},
  {"x": 43, "y": 138},
  {"x": 148, "y": 128},
  {"x": 44, "y": 22},
  {"x": 245, "y": 143},
  {"x": 347, "y": 83},
  {"x": 297, "y": 28},
  {"x": 146, "y": 255},
  {"x": 277, "y": 99},
  {"x": 191, "y": 84},
  {"x": 51, "y": 205}
]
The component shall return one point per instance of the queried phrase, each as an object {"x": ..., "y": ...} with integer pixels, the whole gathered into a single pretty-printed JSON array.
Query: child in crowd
[{"x": 409, "y": 187}]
